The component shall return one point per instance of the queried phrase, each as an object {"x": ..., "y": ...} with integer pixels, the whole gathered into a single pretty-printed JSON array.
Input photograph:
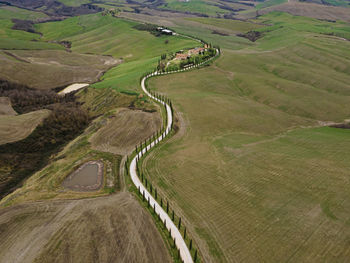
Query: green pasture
[
  {"x": 108, "y": 35},
  {"x": 194, "y": 6},
  {"x": 18, "y": 39},
  {"x": 254, "y": 168}
]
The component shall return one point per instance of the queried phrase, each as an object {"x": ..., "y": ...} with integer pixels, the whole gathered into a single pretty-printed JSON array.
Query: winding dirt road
[{"x": 175, "y": 233}]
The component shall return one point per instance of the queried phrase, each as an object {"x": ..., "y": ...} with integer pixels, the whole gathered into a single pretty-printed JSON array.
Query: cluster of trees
[
  {"x": 153, "y": 29},
  {"x": 24, "y": 99},
  {"x": 66, "y": 120},
  {"x": 112, "y": 12},
  {"x": 192, "y": 60},
  {"x": 252, "y": 35},
  {"x": 25, "y": 25}
]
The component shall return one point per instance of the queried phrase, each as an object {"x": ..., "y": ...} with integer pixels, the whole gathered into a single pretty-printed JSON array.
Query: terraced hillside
[{"x": 253, "y": 169}]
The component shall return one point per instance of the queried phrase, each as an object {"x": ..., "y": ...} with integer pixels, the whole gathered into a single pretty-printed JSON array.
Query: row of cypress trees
[{"x": 148, "y": 185}]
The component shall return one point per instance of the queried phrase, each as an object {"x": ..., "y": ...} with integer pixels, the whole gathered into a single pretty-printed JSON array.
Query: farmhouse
[
  {"x": 165, "y": 31},
  {"x": 181, "y": 56},
  {"x": 196, "y": 51}
]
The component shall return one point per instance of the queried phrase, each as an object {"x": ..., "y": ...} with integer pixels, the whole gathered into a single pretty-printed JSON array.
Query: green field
[
  {"x": 232, "y": 25},
  {"x": 17, "y": 39},
  {"x": 269, "y": 3},
  {"x": 195, "y": 6},
  {"x": 75, "y": 2},
  {"x": 253, "y": 172},
  {"x": 108, "y": 35}
]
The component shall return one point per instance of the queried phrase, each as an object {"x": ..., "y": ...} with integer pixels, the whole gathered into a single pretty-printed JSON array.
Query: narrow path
[{"x": 175, "y": 233}]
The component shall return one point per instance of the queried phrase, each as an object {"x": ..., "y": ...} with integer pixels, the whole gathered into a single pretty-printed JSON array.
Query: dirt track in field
[{"x": 109, "y": 229}]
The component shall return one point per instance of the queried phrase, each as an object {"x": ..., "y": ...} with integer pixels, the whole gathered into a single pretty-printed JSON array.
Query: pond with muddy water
[{"x": 88, "y": 177}]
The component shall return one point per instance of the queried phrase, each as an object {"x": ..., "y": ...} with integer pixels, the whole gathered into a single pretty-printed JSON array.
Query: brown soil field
[
  {"x": 125, "y": 130},
  {"x": 5, "y": 107},
  {"x": 47, "y": 69},
  {"x": 107, "y": 229},
  {"x": 17, "y": 127},
  {"x": 311, "y": 10}
]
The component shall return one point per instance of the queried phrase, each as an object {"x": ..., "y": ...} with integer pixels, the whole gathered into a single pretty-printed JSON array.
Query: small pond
[{"x": 88, "y": 177}]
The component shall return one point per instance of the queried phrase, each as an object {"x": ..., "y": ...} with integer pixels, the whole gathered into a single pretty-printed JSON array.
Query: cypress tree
[
  {"x": 143, "y": 195},
  {"x": 173, "y": 216},
  {"x": 148, "y": 202},
  {"x": 179, "y": 225},
  {"x": 167, "y": 207},
  {"x": 174, "y": 242},
  {"x": 178, "y": 253},
  {"x": 195, "y": 256},
  {"x": 150, "y": 187},
  {"x": 155, "y": 193},
  {"x": 154, "y": 207},
  {"x": 169, "y": 232},
  {"x": 185, "y": 233},
  {"x": 161, "y": 202},
  {"x": 146, "y": 182},
  {"x": 190, "y": 244}
]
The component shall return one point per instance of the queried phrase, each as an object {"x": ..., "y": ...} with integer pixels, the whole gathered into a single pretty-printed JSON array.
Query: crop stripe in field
[{"x": 180, "y": 243}]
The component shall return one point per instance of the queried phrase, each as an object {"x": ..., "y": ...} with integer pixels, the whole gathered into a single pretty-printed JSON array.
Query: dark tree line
[
  {"x": 66, "y": 121},
  {"x": 24, "y": 99}
]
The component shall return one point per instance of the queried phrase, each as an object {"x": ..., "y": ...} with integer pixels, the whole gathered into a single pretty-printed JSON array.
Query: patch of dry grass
[
  {"x": 17, "y": 127},
  {"x": 5, "y": 107},
  {"x": 47, "y": 69},
  {"x": 108, "y": 229},
  {"x": 124, "y": 130}
]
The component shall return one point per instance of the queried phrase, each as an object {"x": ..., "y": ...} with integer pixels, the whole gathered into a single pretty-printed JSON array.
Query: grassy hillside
[
  {"x": 16, "y": 39},
  {"x": 102, "y": 105},
  {"x": 48, "y": 69},
  {"x": 108, "y": 35},
  {"x": 252, "y": 171},
  {"x": 195, "y": 6}
]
